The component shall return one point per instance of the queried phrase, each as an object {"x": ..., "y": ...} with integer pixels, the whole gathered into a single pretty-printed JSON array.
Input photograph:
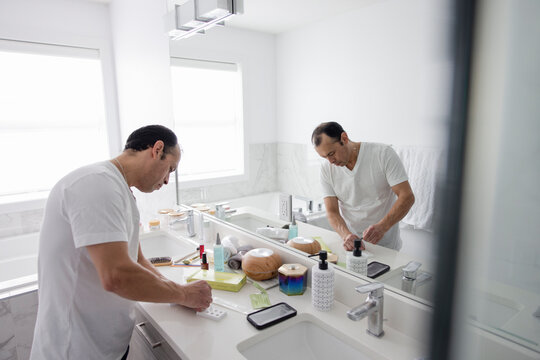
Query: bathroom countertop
[
  {"x": 382, "y": 254},
  {"x": 194, "y": 337}
]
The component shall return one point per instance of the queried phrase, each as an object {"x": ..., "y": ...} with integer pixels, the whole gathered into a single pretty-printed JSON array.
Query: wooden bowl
[
  {"x": 261, "y": 264},
  {"x": 308, "y": 245}
]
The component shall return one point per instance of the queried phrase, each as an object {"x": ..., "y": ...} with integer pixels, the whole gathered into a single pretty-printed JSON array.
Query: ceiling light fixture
[{"x": 196, "y": 16}]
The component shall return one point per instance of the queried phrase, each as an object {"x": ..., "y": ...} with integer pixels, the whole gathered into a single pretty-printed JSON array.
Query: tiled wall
[
  {"x": 18, "y": 318},
  {"x": 298, "y": 170},
  {"x": 262, "y": 178},
  {"x": 18, "y": 223}
]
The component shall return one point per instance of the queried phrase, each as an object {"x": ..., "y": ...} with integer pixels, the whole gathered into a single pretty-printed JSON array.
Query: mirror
[
  {"x": 383, "y": 71},
  {"x": 383, "y": 76}
]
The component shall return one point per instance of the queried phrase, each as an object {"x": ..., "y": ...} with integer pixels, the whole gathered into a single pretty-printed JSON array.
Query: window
[
  {"x": 52, "y": 114},
  {"x": 207, "y": 104}
]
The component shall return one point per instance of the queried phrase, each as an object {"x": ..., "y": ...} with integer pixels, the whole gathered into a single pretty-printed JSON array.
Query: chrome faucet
[
  {"x": 309, "y": 203},
  {"x": 220, "y": 211},
  {"x": 299, "y": 215},
  {"x": 190, "y": 223},
  {"x": 410, "y": 279},
  {"x": 372, "y": 308}
]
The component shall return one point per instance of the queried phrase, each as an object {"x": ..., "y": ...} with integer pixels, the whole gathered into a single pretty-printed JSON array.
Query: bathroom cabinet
[{"x": 147, "y": 343}]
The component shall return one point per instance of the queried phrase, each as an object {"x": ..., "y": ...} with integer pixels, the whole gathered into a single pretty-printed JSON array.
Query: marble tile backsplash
[
  {"x": 298, "y": 170},
  {"x": 18, "y": 223},
  {"x": 262, "y": 178},
  {"x": 290, "y": 168},
  {"x": 18, "y": 318}
]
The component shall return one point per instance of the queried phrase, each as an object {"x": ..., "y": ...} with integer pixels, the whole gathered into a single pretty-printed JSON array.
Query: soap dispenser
[
  {"x": 219, "y": 256},
  {"x": 355, "y": 260},
  {"x": 293, "y": 229},
  {"x": 322, "y": 284}
]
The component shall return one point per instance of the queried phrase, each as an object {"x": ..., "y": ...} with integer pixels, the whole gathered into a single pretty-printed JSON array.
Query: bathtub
[
  {"x": 18, "y": 264},
  {"x": 268, "y": 202}
]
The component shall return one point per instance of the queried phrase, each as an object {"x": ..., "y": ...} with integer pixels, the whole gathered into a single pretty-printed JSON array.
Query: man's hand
[
  {"x": 197, "y": 295},
  {"x": 348, "y": 243},
  {"x": 374, "y": 233}
]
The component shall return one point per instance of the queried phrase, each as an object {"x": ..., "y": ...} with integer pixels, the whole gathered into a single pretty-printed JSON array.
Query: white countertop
[{"x": 194, "y": 337}]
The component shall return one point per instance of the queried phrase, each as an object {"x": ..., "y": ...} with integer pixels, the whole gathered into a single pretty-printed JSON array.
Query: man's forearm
[
  {"x": 338, "y": 224},
  {"x": 135, "y": 282},
  {"x": 398, "y": 211},
  {"x": 148, "y": 265}
]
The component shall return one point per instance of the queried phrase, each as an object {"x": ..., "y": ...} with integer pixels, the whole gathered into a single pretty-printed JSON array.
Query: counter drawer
[{"x": 147, "y": 343}]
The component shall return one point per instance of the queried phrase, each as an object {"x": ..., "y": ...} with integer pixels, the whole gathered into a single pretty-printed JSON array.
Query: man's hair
[
  {"x": 331, "y": 129},
  {"x": 145, "y": 137}
]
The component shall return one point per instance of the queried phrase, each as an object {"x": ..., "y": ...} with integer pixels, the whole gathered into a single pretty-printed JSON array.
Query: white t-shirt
[
  {"x": 365, "y": 193},
  {"x": 77, "y": 318}
]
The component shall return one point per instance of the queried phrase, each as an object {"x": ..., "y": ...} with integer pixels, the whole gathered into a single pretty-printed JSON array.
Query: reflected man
[{"x": 365, "y": 187}]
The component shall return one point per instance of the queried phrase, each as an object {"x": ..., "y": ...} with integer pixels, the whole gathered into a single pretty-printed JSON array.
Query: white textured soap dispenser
[
  {"x": 355, "y": 260},
  {"x": 322, "y": 284}
]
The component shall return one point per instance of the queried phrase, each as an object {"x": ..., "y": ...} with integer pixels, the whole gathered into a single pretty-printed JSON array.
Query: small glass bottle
[
  {"x": 153, "y": 224},
  {"x": 293, "y": 229},
  {"x": 175, "y": 220},
  {"x": 219, "y": 256},
  {"x": 164, "y": 217},
  {"x": 204, "y": 262}
]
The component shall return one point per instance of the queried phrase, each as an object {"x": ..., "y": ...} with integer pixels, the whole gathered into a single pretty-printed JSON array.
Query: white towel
[{"x": 422, "y": 165}]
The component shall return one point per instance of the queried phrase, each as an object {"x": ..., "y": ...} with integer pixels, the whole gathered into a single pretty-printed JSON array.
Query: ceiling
[{"x": 276, "y": 16}]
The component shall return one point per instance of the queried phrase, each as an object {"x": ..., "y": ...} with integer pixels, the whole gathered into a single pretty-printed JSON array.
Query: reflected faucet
[
  {"x": 309, "y": 203},
  {"x": 372, "y": 308},
  {"x": 410, "y": 279},
  {"x": 221, "y": 213},
  {"x": 299, "y": 215}
]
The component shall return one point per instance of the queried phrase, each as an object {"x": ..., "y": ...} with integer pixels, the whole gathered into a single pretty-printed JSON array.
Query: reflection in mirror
[
  {"x": 389, "y": 86},
  {"x": 383, "y": 71}
]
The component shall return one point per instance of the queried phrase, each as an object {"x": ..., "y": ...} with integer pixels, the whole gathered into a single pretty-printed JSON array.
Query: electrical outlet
[{"x": 285, "y": 207}]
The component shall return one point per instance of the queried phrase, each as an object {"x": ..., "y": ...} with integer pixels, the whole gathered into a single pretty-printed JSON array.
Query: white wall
[
  {"x": 75, "y": 23},
  {"x": 382, "y": 71},
  {"x": 141, "y": 52}
]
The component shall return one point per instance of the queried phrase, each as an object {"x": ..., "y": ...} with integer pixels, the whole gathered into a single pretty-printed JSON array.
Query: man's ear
[
  {"x": 157, "y": 149},
  {"x": 344, "y": 138}
]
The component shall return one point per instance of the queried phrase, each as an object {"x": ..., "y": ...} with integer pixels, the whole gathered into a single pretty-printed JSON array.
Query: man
[
  {"x": 91, "y": 268},
  {"x": 360, "y": 183}
]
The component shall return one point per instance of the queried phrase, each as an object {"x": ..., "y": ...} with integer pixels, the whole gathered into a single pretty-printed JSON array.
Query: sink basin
[
  {"x": 252, "y": 222},
  {"x": 423, "y": 288},
  {"x": 161, "y": 243},
  {"x": 319, "y": 219},
  {"x": 493, "y": 310},
  {"x": 303, "y": 337}
]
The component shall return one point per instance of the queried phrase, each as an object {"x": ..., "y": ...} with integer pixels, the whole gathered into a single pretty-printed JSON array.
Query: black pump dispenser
[
  {"x": 323, "y": 255},
  {"x": 357, "y": 251}
]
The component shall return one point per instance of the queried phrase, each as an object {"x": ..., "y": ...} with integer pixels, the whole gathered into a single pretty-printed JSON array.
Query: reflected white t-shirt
[
  {"x": 365, "y": 193},
  {"x": 77, "y": 318}
]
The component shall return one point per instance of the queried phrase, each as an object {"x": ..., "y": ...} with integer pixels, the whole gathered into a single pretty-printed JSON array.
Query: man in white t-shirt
[
  {"x": 365, "y": 187},
  {"x": 91, "y": 269}
]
